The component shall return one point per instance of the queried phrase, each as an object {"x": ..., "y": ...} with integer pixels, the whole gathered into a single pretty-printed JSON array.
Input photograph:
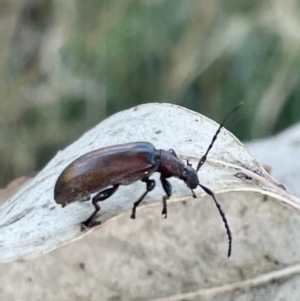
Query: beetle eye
[
  {"x": 171, "y": 150},
  {"x": 184, "y": 172}
]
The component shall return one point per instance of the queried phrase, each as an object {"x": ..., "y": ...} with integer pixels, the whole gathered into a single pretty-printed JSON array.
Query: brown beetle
[{"x": 107, "y": 168}]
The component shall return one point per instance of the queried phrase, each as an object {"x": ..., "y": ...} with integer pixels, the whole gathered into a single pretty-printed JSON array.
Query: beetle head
[
  {"x": 172, "y": 166},
  {"x": 190, "y": 177}
]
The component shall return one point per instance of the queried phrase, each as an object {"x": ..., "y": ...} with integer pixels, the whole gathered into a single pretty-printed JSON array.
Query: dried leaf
[
  {"x": 179, "y": 258},
  {"x": 281, "y": 152},
  {"x": 33, "y": 224}
]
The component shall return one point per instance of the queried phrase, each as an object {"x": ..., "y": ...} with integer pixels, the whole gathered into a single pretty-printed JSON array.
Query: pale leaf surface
[{"x": 33, "y": 224}]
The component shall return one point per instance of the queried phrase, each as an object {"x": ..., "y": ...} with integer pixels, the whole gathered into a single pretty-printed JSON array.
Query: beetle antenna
[
  {"x": 204, "y": 157},
  {"x": 209, "y": 192}
]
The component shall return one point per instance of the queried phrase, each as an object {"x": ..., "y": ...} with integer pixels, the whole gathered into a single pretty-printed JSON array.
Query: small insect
[{"x": 105, "y": 169}]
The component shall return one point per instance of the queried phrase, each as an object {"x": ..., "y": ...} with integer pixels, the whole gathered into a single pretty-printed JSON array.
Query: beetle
[{"x": 104, "y": 170}]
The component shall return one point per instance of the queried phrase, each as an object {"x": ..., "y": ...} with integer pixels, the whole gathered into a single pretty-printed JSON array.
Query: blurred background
[{"x": 67, "y": 65}]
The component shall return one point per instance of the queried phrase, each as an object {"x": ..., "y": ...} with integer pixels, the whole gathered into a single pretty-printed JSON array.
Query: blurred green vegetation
[{"x": 66, "y": 65}]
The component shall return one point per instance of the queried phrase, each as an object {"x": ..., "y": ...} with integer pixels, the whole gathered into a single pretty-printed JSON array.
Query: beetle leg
[
  {"x": 188, "y": 163},
  {"x": 99, "y": 197},
  {"x": 150, "y": 184},
  {"x": 194, "y": 195},
  {"x": 168, "y": 189}
]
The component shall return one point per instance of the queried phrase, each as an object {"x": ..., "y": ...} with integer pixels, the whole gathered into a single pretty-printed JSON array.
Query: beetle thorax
[{"x": 172, "y": 166}]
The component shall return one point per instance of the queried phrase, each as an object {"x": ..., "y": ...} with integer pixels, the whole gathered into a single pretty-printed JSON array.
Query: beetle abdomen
[{"x": 120, "y": 164}]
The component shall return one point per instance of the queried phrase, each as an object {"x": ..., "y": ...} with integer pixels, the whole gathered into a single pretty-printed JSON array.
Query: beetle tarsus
[
  {"x": 165, "y": 207},
  {"x": 168, "y": 189},
  {"x": 150, "y": 184},
  {"x": 89, "y": 224},
  {"x": 132, "y": 216}
]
